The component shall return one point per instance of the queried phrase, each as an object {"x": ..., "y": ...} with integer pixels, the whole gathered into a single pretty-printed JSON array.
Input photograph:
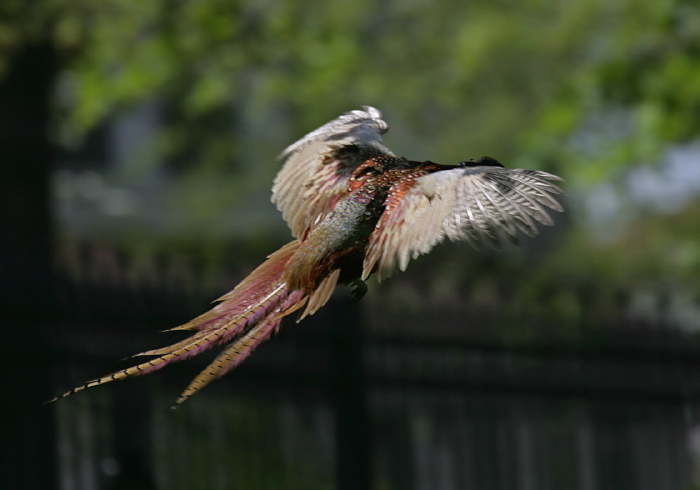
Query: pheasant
[{"x": 354, "y": 209}]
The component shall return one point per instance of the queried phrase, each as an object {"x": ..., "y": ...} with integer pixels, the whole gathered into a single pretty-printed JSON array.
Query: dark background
[{"x": 139, "y": 144}]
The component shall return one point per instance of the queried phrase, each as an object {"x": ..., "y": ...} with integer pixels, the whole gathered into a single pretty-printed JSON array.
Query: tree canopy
[{"x": 597, "y": 91}]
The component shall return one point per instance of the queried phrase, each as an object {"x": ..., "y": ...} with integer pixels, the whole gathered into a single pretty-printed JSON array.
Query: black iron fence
[{"x": 370, "y": 396}]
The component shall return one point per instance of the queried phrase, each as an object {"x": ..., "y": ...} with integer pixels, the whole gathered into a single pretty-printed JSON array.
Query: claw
[{"x": 359, "y": 289}]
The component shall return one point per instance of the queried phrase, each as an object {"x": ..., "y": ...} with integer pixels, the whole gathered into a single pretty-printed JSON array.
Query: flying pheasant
[{"x": 354, "y": 209}]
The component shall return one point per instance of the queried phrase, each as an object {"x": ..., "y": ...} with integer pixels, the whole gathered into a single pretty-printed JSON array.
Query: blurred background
[{"x": 139, "y": 144}]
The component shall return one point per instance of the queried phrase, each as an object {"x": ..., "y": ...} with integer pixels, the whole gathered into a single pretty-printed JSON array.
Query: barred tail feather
[
  {"x": 143, "y": 368},
  {"x": 251, "y": 290},
  {"x": 229, "y": 358},
  {"x": 242, "y": 347},
  {"x": 225, "y": 328},
  {"x": 252, "y": 311}
]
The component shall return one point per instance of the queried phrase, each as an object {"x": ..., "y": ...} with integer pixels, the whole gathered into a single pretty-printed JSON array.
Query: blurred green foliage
[{"x": 590, "y": 90}]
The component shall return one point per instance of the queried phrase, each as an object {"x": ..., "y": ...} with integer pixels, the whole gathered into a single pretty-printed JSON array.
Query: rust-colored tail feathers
[{"x": 247, "y": 315}]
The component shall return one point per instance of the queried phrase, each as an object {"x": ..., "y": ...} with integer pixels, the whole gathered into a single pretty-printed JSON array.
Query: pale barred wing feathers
[
  {"x": 318, "y": 167},
  {"x": 473, "y": 204}
]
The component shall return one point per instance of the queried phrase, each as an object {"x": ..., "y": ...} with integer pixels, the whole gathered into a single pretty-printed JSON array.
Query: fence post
[
  {"x": 353, "y": 441},
  {"x": 28, "y": 449}
]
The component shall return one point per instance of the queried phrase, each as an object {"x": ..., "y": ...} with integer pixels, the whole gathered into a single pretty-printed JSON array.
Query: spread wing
[
  {"x": 317, "y": 167},
  {"x": 474, "y": 204}
]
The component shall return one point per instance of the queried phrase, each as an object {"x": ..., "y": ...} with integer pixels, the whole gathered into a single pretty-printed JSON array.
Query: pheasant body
[
  {"x": 355, "y": 209},
  {"x": 337, "y": 242}
]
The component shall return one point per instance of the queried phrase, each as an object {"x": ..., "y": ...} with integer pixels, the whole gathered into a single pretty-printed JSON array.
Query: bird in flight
[{"x": 354, "y": 209}]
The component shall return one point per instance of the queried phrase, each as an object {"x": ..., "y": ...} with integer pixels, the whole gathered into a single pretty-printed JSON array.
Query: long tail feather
[
  {"x": 225, "y": 328},
  {"x": 237, "y": 352},
  {"x": 252, "y": 310},
  {"x": 248, "y": 292},
  {"x": 229, "y": 358}
]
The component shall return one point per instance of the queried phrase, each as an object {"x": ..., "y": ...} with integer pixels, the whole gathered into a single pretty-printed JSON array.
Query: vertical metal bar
[
  {"x": 353, "y": 443},
  {"x": 28, "y": 449}
]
